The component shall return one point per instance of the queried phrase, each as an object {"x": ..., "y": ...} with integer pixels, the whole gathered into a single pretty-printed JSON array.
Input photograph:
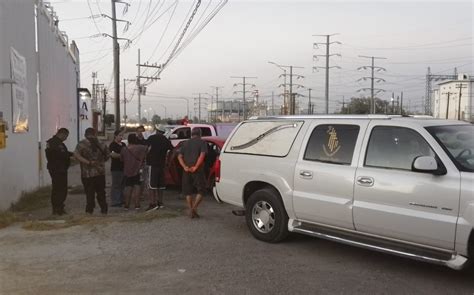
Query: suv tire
[{"x": 266, "y": 216}]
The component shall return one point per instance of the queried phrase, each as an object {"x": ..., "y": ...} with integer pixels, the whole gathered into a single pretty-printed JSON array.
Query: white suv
[{"x": 400, "y": 185}]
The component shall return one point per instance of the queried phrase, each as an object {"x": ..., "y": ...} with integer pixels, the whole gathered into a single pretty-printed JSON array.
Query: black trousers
[
  {"x": 95, "y": 187},
  {"x": 58, "y": 191}
]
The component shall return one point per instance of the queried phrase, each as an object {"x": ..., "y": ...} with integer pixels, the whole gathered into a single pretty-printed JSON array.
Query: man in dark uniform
[{"x": 58, "y": 163}]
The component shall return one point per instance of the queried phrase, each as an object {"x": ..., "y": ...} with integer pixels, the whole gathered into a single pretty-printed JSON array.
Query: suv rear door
[
  {"x": 325, "y": 171},
  {"x": 393, "y": 201}
]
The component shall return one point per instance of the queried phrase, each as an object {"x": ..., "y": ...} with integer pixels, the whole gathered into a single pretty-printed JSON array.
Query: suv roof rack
[{"x": 387, "y": 117}]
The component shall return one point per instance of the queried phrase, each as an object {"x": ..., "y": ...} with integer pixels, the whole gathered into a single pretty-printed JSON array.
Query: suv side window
[
  {"x": 395, "y": 148},
  {"x": 332, "y": 144},
  {"x": 183, "y": 133},
  {"x": 205, "y": 131}
]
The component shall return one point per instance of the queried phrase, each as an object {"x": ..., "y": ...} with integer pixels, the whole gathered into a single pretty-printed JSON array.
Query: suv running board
[{"x": 450, "y": 260}]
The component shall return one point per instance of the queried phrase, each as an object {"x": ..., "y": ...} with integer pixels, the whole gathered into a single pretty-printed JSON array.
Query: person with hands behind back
[{"x": 191, "y": 157}]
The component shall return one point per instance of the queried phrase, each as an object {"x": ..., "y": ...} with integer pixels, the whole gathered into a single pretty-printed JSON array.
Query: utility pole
[
  {"x": 401, "y": 103},
  {"x": 217, "y": 102},
  {"x": 460, "y": 87},
  {"x": 125, "y": 99},
  {"x": 104, "y": 108},
  {"x": 141, "y": 88},
  {"x": 309, "y": 101},
  {"x": 273, "y": 103},
  {"x": 447, "y": 103},
  {"x": 373, "y": 80},
  {"x": 327, "y": 67},
  {"x": 243, "y": 84},
  {"x": 116, "y": 53},
  {"x": 116, "y": 67}
]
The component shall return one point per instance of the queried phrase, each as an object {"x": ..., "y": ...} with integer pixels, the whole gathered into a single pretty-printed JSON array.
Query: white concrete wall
[
  {"x": 23, "y": 163},
  {"x": 441, "y": 101},
  {"x": 58, "y": 85},
  {"x": 19, "y": 164}
]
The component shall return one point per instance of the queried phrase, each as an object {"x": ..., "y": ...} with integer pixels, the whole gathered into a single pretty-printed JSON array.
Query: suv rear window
[
  {"x": 332, "y": 144},
  {"x": 266, "y": 138}
]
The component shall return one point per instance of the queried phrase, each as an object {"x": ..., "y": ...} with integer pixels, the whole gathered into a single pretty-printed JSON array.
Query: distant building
[{"x": 454, "y": 99}]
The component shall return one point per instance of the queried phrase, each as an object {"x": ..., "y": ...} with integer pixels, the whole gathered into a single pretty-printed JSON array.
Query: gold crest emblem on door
[{"x": 332, "y": 146}]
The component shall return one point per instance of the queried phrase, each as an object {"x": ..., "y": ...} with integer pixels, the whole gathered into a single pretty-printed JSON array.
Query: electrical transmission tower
[
  {"x": 429, "y": 84},
  {"x": 373, "y": 80},
  {"x": 244, "y": 91},
  {"x": 292, "y": 98},
  {"x": 217, "y": 101},
  {"x": 199, "y": 103},
  {"x": 327, "y": 67}
]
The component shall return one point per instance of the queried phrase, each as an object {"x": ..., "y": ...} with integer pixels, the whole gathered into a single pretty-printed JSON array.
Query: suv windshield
[{"x": 458, "y": 142}]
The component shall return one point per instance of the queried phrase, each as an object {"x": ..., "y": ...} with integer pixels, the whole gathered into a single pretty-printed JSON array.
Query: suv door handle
[
  {"x": 306, "y": 174},
  {"x": 365, "y": 181}
]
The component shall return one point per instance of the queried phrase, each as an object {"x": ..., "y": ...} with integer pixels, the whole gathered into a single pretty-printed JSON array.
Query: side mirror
[
  {"x": 427, "y": 164},
  {"x": 174, "y": 136}
]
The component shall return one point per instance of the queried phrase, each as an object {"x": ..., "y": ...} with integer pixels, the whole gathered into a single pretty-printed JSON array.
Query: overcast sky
[{"x": 245, "y": 35}]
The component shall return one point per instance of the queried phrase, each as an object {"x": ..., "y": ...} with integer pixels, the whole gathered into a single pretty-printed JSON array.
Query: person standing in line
[
  {"x": 140, "y": 132},
  {"x": 92, "y": 155},
  {"x": 159, "y": 146},
  {"x": 59, "y": 159},
  {"x": 133, "y": 157},
  {"x": 140, "y": 135},
  {"x": 116, "y": 168},
  {"x": 191, "y": 157}
]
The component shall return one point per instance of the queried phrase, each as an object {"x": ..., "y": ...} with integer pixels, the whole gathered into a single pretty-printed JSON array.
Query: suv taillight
[{"x": 217, "y": 169}]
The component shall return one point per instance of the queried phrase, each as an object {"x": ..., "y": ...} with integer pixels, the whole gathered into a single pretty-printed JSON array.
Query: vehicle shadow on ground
[{"x": 381, "y": 260}]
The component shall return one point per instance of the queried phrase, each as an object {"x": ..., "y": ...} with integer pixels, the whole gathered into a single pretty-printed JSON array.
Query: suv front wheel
[{"x": 266, "y": 216}]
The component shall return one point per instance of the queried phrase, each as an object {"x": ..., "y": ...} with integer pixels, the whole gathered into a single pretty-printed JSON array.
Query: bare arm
[
  {"x": 199, "y": 162},
  {"x": 82, "y": 159},
  {"x": 181, "y": 162}
]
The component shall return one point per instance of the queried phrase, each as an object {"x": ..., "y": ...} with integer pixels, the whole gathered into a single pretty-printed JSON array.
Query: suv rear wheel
[{"x": 266, "y": 216}]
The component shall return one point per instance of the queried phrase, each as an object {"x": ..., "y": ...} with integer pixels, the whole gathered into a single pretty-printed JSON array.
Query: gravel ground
[{"x": 169, "y": 253}]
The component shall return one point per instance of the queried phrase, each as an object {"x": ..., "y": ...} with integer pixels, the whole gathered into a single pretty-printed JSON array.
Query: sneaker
[
  {"x": 152, "y": 208},
  {"x": 137, "y": 208},
  {"x": 160, "y": 206},
  {"x": 125, "y": 208}
]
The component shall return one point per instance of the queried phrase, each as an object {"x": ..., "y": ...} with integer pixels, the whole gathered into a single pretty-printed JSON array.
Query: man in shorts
[
  {"x": 159, "y": 146},
  {"x": 191, "y": 158}
]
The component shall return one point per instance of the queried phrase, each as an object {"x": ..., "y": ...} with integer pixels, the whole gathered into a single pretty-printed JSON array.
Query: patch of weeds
[
  {"x": 32, "y": 201},
  {"x": 76, "y": 190},
  {"x": 7, "y": 218}
]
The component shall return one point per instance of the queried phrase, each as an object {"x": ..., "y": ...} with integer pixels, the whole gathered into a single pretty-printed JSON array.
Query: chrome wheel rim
[{"x": 263, "y": 217}]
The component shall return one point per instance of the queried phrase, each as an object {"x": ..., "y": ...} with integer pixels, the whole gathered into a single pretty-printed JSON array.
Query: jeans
[
  {"x": 58, "y": 190},
  {"x": 95, "y": 187},
  {"x": 116, "y": 191}
]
